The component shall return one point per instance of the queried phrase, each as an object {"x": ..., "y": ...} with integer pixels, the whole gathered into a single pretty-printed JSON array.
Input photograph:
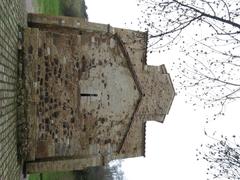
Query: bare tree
[
  {"x": 207, "y": 33},
  {"x": 115, "y": 168},
  {"x": 74, "y": 8},
  {"x": 223, "y": 157},
  {"x": 113, "y": 171}
]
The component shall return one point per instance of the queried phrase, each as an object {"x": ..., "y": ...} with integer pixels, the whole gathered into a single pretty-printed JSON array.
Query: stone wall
[
  {"x": 11, "y": 19},
  {"x": 81, "y": 93},
  {"x": 90, "y": 93}
]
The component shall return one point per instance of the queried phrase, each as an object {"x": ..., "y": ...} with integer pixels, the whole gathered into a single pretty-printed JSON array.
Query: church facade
[{"x": 89, "y": 93}]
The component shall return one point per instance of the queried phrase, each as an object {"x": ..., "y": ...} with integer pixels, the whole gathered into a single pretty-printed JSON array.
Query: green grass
[
  {"x": 53, "y": 176},
  {"x": 74, "y": 8},
  {"x": 34, "y": 177},
  {"x": 50, "y": 7}
]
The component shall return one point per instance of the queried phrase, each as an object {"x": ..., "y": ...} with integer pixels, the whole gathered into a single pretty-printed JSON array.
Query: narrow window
[{"x": 87, "y": 94}]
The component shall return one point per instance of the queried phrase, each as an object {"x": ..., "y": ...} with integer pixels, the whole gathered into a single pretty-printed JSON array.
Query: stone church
[{"x": 89, "y": 93}]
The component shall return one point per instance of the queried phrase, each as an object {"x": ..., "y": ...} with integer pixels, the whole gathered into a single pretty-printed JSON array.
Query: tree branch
[
  {"x": 209, "y": 15},
  {"x": 179, "y": 28}
]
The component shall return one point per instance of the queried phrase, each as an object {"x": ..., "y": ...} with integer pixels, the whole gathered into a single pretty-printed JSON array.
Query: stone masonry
[
  {"x": 12, "y": 15},
  {"x": 90, "y": 93}
]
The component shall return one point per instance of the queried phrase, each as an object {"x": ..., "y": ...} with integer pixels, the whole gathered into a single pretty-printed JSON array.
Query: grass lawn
[
  {"x": 34, "y": 177},
  {"x": 53, "y": 176},
  {"x": 50, "y": 7}
]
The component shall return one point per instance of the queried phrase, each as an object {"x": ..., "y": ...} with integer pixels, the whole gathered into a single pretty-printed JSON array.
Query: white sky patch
[{"x": 170, "y": 147}]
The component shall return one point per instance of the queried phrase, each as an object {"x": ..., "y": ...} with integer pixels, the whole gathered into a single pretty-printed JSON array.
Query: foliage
[
  {"x": 207, "y": 33},
  {"x": 115, "y": 168},
  {"x": 109, "y": 172},
  {"x": 50, "y": 7},
  {"x": 73, "y": 8},
  {"x": 223, "y": 157}
]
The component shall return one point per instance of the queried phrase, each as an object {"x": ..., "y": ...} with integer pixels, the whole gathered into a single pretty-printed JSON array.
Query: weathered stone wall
[
  {"x": 12, "y": 15},
  {"x": 79, "y": 90},
  {"x": 90, "y": 93}
]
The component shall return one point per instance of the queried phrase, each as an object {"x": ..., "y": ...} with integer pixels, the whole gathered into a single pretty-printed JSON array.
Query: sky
[{"x": 171, "y": 146}]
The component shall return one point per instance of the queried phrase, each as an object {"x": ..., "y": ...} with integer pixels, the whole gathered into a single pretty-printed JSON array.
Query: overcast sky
[{"x": 170, "y": 147}]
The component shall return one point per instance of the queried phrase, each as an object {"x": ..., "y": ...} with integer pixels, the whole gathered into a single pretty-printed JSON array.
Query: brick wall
[{"x": 12, "y": 16}]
